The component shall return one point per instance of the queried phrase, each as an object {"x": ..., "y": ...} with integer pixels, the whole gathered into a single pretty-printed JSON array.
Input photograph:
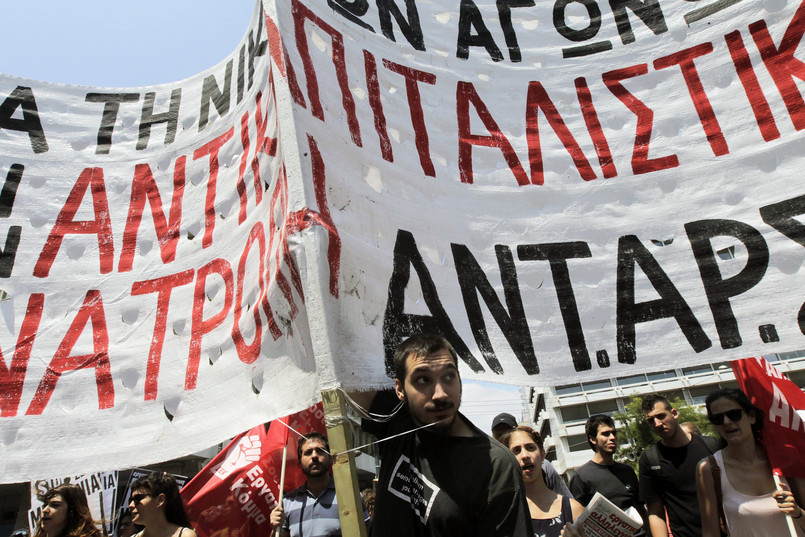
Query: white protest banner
[
  {"x": 100, "y": 489},
  {"x": 567, "y": 189},
  {"x": 151, "y": 305}
]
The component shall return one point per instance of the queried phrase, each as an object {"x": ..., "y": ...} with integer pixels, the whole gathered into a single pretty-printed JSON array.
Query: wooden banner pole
[{"x": 345, "y": 473}]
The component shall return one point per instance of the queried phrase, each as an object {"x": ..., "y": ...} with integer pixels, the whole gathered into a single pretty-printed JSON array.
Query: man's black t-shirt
[
  {"x": 433, "y": 485},
  {"x": 673, "y": 481},
  {"x": 616, "y": 482}
]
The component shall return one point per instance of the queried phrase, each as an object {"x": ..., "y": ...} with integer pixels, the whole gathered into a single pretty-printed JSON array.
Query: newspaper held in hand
[{"x": 602, "y": 518}]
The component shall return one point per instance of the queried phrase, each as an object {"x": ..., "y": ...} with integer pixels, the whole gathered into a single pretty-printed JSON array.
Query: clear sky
[
  {"x": 146, "y": 42},
  {"x": 119, "y": 43}
]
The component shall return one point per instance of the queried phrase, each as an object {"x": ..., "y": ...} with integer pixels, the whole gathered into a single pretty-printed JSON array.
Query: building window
[
  {"x": 568, "y": 389},
  {"x": 598, "y": 385},
  {"x": 661, "y": 375},
  {"x": 575, "y": 413},
  {"x": 629, "y": 381},
  {"x": 697, "y": 370},
  {"x": 607, "y": 407},
  {"x": 797, "y": 377},
  {"x": 577, "y": 442},
  {"x": 673, "y": 395},
  {"x": 699, "y": 393},
  {"x": 579, "y": 413}
]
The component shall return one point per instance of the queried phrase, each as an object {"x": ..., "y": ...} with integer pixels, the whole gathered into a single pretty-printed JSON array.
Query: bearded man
[{"x": 312, "y": 509}]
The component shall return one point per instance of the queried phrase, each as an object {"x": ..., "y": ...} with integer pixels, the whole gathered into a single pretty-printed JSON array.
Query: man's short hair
[
  {"x": 420, "y": 345},
  {"x": 310, "y": 436},
  {"x": 652, "y": 399},
  {"x": 592, "y": 425}
]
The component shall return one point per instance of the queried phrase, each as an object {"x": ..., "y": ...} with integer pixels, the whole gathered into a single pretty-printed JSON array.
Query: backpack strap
[
  {"x": 722, "y": 520},
  {"x": 653, "y": 457}
]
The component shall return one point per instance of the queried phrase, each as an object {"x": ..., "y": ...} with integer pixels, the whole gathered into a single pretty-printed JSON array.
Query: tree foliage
[{"x": 636, "y": 436}]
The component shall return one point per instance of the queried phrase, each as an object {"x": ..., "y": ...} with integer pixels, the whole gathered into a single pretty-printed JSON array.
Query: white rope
[
  {"x": 390, "y": 437},
  {"x": 382, "y": 418},
  {"x": 370, "y": 443}
]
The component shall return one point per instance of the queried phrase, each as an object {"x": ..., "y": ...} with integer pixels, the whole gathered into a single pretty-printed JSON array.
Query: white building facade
[{"x": 559, "y": 413}]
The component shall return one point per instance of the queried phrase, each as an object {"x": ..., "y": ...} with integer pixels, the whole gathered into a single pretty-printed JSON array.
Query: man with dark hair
[
  {"x": 668, "y": 471},
  {"x": 440, "y": 476},
  {"x": 312, "y": 509},
  {"x": 614, "y": 480},
  {"x": 503, "y": 423}
]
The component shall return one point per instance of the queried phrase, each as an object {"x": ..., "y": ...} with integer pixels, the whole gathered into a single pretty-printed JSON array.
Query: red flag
[
  {"x": 234, "y": 494},
  {"x": 783, "y": 432}
]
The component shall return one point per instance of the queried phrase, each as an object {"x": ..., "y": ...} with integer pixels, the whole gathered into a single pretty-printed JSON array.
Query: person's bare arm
[
  {"x": 656, "y": 518},
  {"x": 788, "y": 502},
  {"x": 275, "y": 520},
  {"x": 641, "y": 510},
  {"x": 708, "y": 503}
]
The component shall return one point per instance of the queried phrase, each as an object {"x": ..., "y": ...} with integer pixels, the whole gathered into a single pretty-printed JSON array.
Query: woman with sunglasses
[
  {"x": 752, "y": 505},
  {"x": 552, "y": 515},
  {"x": 156, "y": 505},
  {"x": 65, "y": 513}
]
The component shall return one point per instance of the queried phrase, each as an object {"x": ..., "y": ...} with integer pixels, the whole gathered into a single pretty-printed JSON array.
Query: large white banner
[{"x": 568, "y": 190}]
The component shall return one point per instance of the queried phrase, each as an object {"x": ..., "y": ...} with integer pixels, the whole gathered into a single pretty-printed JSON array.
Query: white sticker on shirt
[{"x": 408, "y": 483}]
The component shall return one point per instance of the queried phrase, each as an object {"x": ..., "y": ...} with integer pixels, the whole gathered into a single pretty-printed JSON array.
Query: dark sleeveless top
[{"x": 552, "y": 527}]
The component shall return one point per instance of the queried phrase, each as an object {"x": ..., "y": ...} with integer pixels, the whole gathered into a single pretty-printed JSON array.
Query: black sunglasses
[
  {"x": 734, "y": 415},
  {"x": 137, "y": 498}
]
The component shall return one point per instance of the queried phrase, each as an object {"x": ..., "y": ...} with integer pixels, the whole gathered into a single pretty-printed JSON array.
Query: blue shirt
[{"x": 309, "y": 516}]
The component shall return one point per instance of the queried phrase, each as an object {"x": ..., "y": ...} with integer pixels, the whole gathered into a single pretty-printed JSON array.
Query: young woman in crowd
[
  {"x": 65, "y": 513},
  {"x": 752, "y": 505},
  {"x": 551, "y": 514},
  {"x": 156, "y": 505}
]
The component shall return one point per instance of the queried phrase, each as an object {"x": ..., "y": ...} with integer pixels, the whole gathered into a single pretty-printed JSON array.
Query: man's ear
[
  {"x": 674, "y": 413},
  {"x": 398, "y": 389}
]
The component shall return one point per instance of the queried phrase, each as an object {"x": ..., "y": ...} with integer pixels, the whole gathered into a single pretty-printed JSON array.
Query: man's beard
[
  {"x": 443, "y": 426},
  {"x": 315, "y": 472}
]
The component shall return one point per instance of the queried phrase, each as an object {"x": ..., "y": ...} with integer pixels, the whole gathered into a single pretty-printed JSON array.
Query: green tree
[{"x": 636, "y": 436}]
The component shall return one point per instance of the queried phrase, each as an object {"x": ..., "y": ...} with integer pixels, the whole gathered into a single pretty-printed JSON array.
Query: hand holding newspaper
[{"x": 602, "y": 518}]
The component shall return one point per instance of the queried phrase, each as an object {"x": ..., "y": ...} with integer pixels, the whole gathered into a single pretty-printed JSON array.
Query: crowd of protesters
[{"x": 441, "y": 476}]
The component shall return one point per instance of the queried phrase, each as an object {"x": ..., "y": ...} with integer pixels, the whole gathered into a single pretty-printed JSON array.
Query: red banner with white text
[
  {"x": 234, "y": 494},
  {"x": 783, "y": 403}
]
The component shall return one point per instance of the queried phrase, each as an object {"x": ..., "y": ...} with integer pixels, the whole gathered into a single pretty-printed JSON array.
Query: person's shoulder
[
  {"x": 649, "y": 458},
  {"x": 586, "y": 468},
  {"x": 704, "y": 465},
  {"x": 501, "y": 457},
  {"x": 576, "y": 508},
  {"x": 385, "y": 413},
  {"x": 296, "y": 493},
  {"x": 623, "y": 471},
  {"x": 644, "y": 456},
  {"x": 496, "y": 449},
  {"x": 622, "y": 466},
  {"x": 711, "y": 443}
]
